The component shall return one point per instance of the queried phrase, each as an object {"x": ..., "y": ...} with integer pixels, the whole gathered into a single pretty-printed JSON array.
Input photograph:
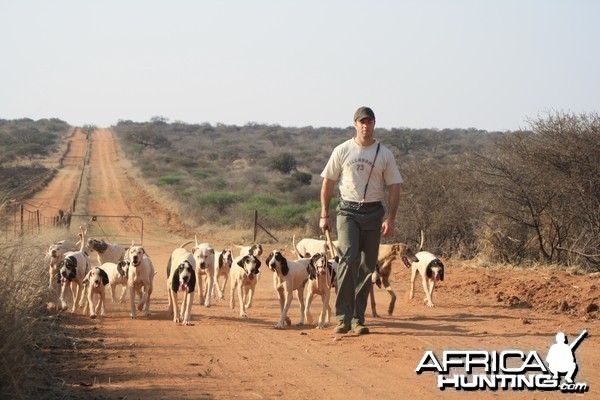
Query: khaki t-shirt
[{"x": 350, "y": 165}]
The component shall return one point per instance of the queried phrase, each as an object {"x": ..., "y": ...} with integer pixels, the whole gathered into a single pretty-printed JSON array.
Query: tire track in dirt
[{"x": 58, "y": 195}]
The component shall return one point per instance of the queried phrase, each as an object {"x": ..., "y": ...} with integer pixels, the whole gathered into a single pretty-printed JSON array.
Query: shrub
[
  {"x": 284, "y": 163},
  {"x": 302, "y": 177},
  {"x": 171, "y": 179},
  {"x": 219, "y": 201}
]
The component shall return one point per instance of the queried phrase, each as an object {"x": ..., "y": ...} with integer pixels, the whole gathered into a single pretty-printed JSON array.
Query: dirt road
[{"x": 224, "y": 356}]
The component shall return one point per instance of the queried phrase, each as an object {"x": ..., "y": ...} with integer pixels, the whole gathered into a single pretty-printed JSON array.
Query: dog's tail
[
  {"x": 186, "y": 243},
  {"x": 82, "y": 239},
  {"x": 422, "y": 240},
  {"x": 296, "y": 248}
]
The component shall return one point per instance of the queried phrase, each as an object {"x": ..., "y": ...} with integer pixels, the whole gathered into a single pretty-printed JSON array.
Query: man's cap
[{"x": 364, "y": 112}]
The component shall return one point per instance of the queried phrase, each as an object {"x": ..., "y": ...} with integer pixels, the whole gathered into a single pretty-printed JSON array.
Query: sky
[{"x": 493, "y": 65}]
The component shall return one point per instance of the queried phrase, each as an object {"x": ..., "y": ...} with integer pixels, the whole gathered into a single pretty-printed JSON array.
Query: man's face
[{"x": 365, "y": 127}]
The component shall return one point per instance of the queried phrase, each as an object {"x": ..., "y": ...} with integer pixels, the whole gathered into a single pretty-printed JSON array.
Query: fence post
[
  {"x": 255, "y": 225},
  {"x": 22, "y": 221}
]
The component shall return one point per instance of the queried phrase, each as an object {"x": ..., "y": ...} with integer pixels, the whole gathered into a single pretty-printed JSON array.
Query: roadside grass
[{"x": 27, "y": 327}]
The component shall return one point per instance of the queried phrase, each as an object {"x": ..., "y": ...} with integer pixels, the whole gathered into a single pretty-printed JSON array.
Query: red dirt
[{"x": 224, "y": 356}]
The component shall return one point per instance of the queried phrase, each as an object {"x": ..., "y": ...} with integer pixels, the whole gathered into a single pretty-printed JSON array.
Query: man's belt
[{"x": 358, "y": 205}]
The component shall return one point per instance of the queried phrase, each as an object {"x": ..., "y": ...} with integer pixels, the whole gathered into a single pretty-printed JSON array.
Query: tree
[
  {"x": 544, "y": 187},
  {"x": 284, "y": 163}
]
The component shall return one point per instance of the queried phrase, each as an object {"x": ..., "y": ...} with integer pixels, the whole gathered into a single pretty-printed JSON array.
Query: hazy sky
[{"x": 487, "y": 64}]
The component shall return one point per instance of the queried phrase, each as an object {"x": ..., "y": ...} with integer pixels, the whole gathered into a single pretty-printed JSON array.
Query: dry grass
[{"x": 26, "y": 327}]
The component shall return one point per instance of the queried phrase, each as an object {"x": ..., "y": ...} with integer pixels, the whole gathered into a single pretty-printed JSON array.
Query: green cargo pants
[{"x": 359, "y": 234}]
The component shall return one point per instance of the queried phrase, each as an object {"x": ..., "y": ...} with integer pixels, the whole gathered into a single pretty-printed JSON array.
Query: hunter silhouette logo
[
  {"x": 508, "y": 369},
  {"x": 561, "y": 356}
]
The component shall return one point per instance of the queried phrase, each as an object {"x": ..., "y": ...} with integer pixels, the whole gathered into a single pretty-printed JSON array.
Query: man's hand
[
  {"x": 387, "y": 228},
  {"x": 324, "y": 224}
]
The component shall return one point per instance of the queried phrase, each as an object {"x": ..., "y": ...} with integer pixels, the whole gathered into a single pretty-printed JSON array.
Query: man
[{"x": 362, "y": 167}]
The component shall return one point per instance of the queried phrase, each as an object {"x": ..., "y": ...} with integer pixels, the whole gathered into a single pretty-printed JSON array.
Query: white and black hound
[
  {"x": 107, "y": 252},
  {"x": 321, "y": 278},
  {"x": 181, "y": 275},
  {"x": 243, "y": 275},
  {"x": 223, "y": 263},
  {"x": 95, "y": 282},
  {"x": 431, "y": 270},
  {"x": 117, "y": 275},
  {"x": 71, "y": 273},
  {"x": 288, "y": 276}
]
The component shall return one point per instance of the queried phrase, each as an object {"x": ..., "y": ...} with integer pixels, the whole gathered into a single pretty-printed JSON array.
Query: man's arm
[
  {"x": 387, "y": 228},
  {"x": 326, "y": 195}
]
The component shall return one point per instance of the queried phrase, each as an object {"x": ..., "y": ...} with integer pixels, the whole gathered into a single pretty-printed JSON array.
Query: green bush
[
  {"x": 302, "y": 177},
  {"x": 219, "y": 201},
  {"x": 171, "y": 179},
  {"x": 284, "y": 163}
]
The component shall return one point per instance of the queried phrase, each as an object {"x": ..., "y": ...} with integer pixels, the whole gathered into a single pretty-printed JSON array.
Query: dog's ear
[
  {"x": 169, "y": 267},
  {"x": 269, "y": 257},
  {"x": 428, "y": 271},
  {"x": 175, "y": 281},
  {"x": 242, "y": 261},
  {"x": 86, "y": 281},
  {"x": 284, "y": 267},
  {"x": 312, "y": 272},
  {"x": 257, "y": 263},
  {"x": 104, "y": 276},
  {"x": 192, "y": 283},
  {"x": 120, "y": 266}
]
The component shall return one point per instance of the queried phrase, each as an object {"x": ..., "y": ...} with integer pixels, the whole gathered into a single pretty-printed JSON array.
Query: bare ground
[{"x": 224, "y": 356}]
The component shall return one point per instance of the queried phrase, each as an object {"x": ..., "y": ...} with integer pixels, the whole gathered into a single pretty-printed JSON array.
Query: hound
[
  {"x": 256, "y": 250},
  {"x": 71, "y": 273},
  {"x": 204, "y": 254},
  {"x": 307, "y": 247},
  {"x": 181, "y": 275},
  {"x": 387, "y": 254},
  {"x": 140, "y": 278},
  {"x": 431, "y": 270},
  {"x": 243, "y": 279},
  {"x": 224, "y": 261},
  {"x": 287, "y": 277},
  {"x": 56, "y": 253},
  {"x": 107, "y": 252},
  {"x": 321, "y": 277},
  {"x": 95, "y": 281},
  {"x": 118, "y": 274}
]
